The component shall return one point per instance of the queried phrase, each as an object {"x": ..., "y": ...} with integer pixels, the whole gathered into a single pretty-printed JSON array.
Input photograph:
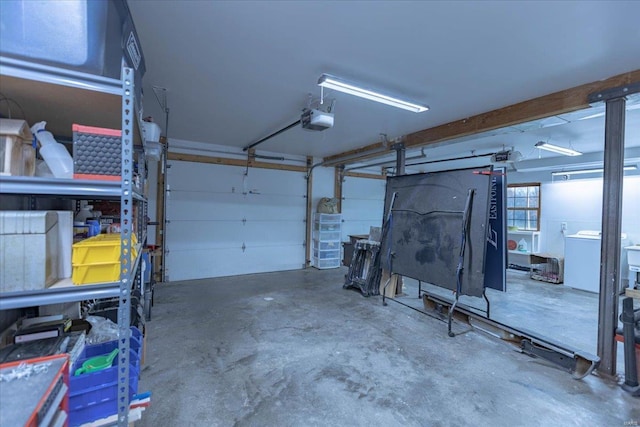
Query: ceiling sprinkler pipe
[{"x": 475, "y": 156}]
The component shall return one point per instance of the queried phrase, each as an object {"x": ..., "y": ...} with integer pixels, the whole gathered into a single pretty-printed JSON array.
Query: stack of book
[
  {"x": 38, "y": 328},
  {"x": 44, "y": 336}
]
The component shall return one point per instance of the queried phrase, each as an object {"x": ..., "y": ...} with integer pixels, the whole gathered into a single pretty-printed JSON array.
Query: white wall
[
  {"x": 362, "y": 205},
  {"x": 578, "y": 202},
  {"x": 322, "y": 184}
]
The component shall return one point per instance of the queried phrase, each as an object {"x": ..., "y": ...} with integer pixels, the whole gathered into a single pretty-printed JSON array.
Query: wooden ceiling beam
[
  {"x": 549, "y": 105},
  {"x": 233, "y": 162}
]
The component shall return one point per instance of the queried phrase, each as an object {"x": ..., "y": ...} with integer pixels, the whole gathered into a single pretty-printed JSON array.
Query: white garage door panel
[
  {"x": 270, "y": 206},
  {"x": 219, "y": 262},
  {"x": 200, "y": 178},
  {"x": 276, "y": 182},
  {"x": 210, "y": 221},
  {"x": 223, "y": 234},
  {"x": 363, "y": 205},
  {"x": 231, "y": 207},
  {"x": 200, "y": 206}
]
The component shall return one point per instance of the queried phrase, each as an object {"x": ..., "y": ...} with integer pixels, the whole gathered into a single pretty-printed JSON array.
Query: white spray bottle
[{"x": 54, "y": 154}]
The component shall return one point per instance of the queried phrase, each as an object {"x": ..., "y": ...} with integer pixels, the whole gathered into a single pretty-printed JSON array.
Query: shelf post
[{"x": 126, "y": 246}]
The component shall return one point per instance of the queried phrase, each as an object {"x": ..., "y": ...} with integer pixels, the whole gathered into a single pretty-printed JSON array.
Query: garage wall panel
[
  {"x": 223, "y": 223},
  {"x": 220, "y": 262},
  {"x": 234, "y": 206},
  {"x": 362, "y": 205}
]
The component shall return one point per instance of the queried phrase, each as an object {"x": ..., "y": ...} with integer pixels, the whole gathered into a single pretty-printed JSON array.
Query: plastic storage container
[
  {"x": 28, "y": 250},
  {"x": 86, "y": 36},
  {"x": 326, "y": 254},
  {"x": 328, "y": 217},
  {"x": 323, "y": 246},
  {"x": 326, "y": 240},
  {"x": 94, "y": 396},
  {"x": 17, "y": 155},
  {"x": 151, "y": 131},
  {"x": 326, "y": 226},
  {"x": 97, "y": 259},
  {"x": 97, "y": 153},
  {"x": 101, "y": 248},
  {"x": 326, "y": 263},
  {"x": 327, "y": 235}
]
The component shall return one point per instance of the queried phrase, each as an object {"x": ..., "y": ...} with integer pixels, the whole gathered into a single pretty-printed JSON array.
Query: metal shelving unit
[
  {"x": 72, "y": 188},
  {"x": 116, "y": 99}
]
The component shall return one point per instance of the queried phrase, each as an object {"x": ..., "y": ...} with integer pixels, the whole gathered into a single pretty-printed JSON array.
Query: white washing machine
[{"x": 582, "y": 260}]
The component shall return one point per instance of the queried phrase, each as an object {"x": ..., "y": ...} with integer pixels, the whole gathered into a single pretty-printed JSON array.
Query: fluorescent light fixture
[
  {"x": 332, "y": 82},
  {"x": 585, "y": 171},
  {"x": 557, "y": 149}
]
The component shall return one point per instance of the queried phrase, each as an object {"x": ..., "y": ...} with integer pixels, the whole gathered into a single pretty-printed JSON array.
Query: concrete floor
[
  {"x": 295, "y": 349},
  {"x": 563, "y": 314}
]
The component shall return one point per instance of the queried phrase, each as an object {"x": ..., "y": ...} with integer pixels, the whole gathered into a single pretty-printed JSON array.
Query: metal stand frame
[
  {"x": 575, "y": 361},
  {"x": 629, "y": 319},
  {"x": 364, "y": 270},
  {"x": 466, "y": 214}
]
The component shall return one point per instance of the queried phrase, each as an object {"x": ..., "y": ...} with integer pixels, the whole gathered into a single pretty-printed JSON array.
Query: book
[
  {"x": 41, "y": 330},
  {"x": 22, "y": 338}
]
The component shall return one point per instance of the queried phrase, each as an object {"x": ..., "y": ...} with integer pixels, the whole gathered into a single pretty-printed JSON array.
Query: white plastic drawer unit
[
  {"x": 326, "y": 245},
  {"x": 331, "y": 254},
  {"x": 326, "y": 263},
  {"x": 326, "y": 226},
  {"x": 328, "y": 218},
  {"x": 326, "y": 235}
]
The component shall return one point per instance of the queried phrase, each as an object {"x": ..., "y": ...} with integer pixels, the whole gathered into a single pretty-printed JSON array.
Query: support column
[
  {"x": 337, "y": 185},
  {"x": 611, "y": 230},
  {"x": 400, "y": 158},
  {"x": 615, "y": 101},
  {"x": 309, "y": 218}
]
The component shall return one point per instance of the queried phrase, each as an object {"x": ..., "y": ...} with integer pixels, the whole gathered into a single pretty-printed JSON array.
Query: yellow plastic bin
[
  {"x": 97, "y": 259},
  {"x": 98, "y": 249}
]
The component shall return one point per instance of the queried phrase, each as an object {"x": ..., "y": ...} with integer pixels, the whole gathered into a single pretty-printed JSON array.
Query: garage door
[
  {"x": 362, "y": 205},
  {"x": 221, "y": 223}
]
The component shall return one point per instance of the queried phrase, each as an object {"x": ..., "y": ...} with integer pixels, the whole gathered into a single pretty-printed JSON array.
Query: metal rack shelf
[
  {"x": 65, "y": 291},
  {"x": 68, "y": 188},
  {"x": 72, "y": 97},
  {"x": 59, "y": 76},
  {"x": 60, "y": 292}
]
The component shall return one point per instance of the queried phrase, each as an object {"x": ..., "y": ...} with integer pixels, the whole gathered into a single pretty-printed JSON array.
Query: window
[{"x": 523, "y": 206}]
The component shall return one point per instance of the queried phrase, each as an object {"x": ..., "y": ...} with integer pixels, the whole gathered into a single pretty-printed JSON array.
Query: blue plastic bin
[{"x": 94, "y": 395}]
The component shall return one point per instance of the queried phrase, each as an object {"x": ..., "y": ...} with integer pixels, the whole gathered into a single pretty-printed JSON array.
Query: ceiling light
[
  {"x": 585, "y": 171},
  {"x": 557, "y": 149},
  {"x": 332, "y": 82}
]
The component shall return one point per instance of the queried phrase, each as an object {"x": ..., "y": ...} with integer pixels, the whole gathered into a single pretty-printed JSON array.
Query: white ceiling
[{"x": 236, "y": 71}]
